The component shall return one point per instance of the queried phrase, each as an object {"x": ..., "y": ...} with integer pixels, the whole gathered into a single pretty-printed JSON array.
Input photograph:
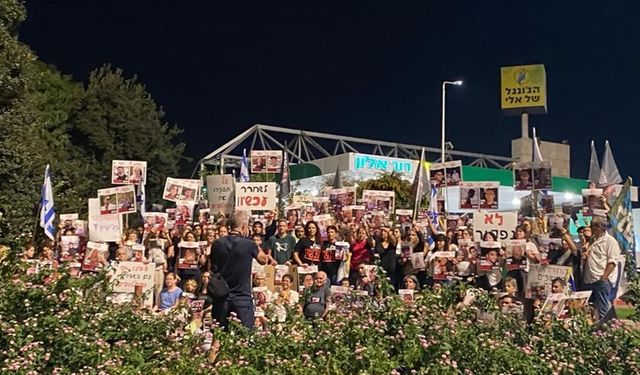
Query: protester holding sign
[{"x": 307, "y": 250}]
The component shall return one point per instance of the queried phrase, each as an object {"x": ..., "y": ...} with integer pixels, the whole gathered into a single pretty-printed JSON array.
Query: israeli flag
[
  {"x": 47, "y": 212},
  {"x": 244, "y": 168}
]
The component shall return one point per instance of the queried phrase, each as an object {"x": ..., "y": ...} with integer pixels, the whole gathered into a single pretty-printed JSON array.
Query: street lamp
[
  {"x": 444, "y": 85},
  {"x": 442, "y": 144}
]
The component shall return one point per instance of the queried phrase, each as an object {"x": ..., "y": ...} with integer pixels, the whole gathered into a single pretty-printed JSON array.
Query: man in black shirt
[{"x": 232, "y": 256}]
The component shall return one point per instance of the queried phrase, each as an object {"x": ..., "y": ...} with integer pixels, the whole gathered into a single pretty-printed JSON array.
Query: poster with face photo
[
  {"x": 320, "y": 206},
  {"x": 489, "y": 256},
  {"x": 469, "y": 195},
  {"x": 592, "y": 202},
  {"x": 547, "y": 204},
  {"x": 183, "y": 212},
  {"x": 293, "y": 216},
  {"x": 323, "y": 222},
  {"x": 443, "y": 267},
  {"x": 305, "y": 276},
  {"x": 379, "y": 201},
  {"x": 266, "y": 161},
  {"x": 155, "y": 221},
  {"x": 339, "y": 198},
  {"x": 352, "y": 214},
  {"x": 188, "y": 254},
  {"x": 128, "y": 172},
  {"x": 404, "y": 218},
  {"x": 515, "y": 251},
  {"x": 522, "y": 177},
  {"x": 70, "y": 248},
  {"x": 448, "y": 173},
  {"x": 204, "y": 216},
  {"x": 95, "y": 257},
  {"x": 467, "y": 256},
  {"x": 181, "y": 189},
  {"x": 542, "y": 175},
  {"x": 120, "y": 200},
  {"x": 68, "y": 221},
  {"x": 489, "y": 196}
]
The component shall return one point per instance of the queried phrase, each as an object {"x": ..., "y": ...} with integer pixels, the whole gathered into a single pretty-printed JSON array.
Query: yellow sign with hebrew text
[{"x": 523, "y": 89}]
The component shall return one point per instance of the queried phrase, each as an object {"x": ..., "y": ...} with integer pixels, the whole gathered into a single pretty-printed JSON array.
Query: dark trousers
[{"x": 222, "y": 308}]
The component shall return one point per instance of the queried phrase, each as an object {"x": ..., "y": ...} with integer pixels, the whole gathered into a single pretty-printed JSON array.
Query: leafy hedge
[{"x": 58, "y": 324}]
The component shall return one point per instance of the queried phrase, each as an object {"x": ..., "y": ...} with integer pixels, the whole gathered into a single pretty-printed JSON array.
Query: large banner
[
  {"x": 264, "y": 161},
  {"x": 128, "y": 172},
  {"x": 502, "y": 224},
  {"x": 134, "y": 278},
  {"x": 221, "y": 190},
  {"x": 256, "y": 196},
  {"x": 118, "y": 200},
  {"x": 103, "y": 228}
]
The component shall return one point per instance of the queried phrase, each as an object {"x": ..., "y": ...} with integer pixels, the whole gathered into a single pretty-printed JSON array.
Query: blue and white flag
[
  {"x": 47, "y": 211},
  {"x": 142, "y": 195},
  {"x": 621, "y": 219},
  {"x": 433, "y": 205},
  {"x": 244, "y": 168}
]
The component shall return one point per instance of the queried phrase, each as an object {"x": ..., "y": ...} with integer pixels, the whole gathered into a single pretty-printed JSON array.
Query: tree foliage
[
  {"x": 118, "y": 119},
  {"x": 48, "y": 118}
]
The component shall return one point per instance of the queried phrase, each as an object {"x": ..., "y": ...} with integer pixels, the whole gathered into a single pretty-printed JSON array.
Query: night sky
[{"x": 371, "y": 69}]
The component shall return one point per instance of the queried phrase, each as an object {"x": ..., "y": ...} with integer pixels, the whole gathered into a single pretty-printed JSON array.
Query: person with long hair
[
  {"x": 361, "y": 251},
  {"x": 386, "y": 250},
  {"x": 307, "y": 250}
]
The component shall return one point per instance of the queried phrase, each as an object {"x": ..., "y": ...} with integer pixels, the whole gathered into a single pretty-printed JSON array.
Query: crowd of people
[{"x": 222, "y": 262}]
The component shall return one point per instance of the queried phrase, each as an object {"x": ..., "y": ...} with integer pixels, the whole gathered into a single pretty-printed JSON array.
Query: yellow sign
[{"x": 523, "y": 89}]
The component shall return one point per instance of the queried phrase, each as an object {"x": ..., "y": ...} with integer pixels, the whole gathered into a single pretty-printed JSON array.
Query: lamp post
[
  {"x": 442, "y": 144},
  {"x": 444, "y": 99}
]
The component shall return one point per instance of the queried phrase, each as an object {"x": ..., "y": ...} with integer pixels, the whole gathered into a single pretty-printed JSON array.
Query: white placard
[
  {"x": 103, "y": 228},
  {"x": 221, "y": 191},
  {"x": 502, "y": 224},
  {"x": 256, "y": 196}
]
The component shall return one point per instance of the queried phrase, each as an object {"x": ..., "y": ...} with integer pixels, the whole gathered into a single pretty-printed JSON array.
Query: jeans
[{"x": 600, "y": 296}]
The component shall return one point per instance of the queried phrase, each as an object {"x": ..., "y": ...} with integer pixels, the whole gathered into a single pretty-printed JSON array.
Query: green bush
[{"x": 66, "y": 325}]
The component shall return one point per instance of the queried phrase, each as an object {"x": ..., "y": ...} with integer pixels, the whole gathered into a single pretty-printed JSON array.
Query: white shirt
[{"x": 603, "y": 251}]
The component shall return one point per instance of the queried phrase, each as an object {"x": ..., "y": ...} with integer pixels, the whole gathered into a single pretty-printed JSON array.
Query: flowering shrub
[{"x": 59, "y": 324}]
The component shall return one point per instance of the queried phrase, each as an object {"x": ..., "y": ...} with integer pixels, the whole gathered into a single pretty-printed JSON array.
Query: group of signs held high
[{"x": 484, "y": 194}]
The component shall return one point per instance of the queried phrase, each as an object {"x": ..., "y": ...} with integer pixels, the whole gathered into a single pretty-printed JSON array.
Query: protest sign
[
  {"x": 183, "y": 213},
  {"x": 304, "y": 275},
  {"x": 540, "y": 277},
  {"x": 502, "y": 224},
  {"x": 541, "y": 175},
  {"x": 592, "y": 203},
  {"x": 489, "y": 256},
  {"x": 68, "y": 221},
  {"x": 181, "y": 189},
  {"x": 522, "y": 176},
  {"x": 292, "y": 214},
  {"x": 204, "y": 216},
  {"x": 446, "y": 174},
  {"x": 340, "y": 198},
  {"x": 406, "y": 295},
  {"x": 221, "y": 190},
  {"x": 103, "y": 228},
  {"x": 443, "y": 264},
  {"x": 95, "y": 257},
  {"x": 128, "y": 171},
  {"x": 489, "y": 195},
  {"x": 188, "y": 255},
  {"x": 266, "y": 161},
  {"x": 134, "y": 278},
  {"x": 256, "y": 196},
  {"x": 70, "y": 248},
  {"x": 515, "y": 251},
  {"x": 154, "y": 221},
  {"x": 379, "y": 201},
  {"x": 120, "y": 200}
]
